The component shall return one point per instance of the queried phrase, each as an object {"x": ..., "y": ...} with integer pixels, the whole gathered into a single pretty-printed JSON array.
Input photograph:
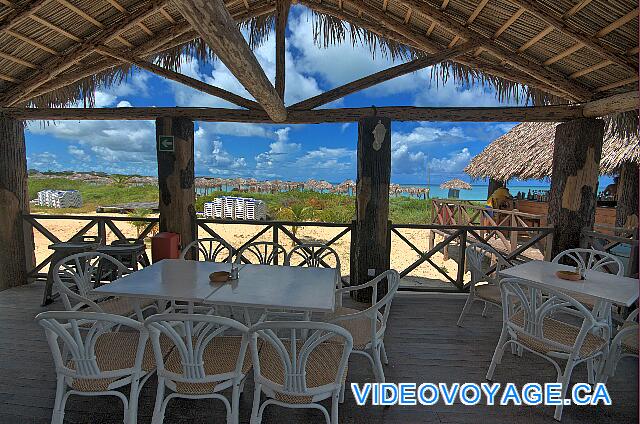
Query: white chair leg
[
  {"x": 465, "y": 309},
  {"x": 378, "y": 365},
  {"x": 58, "y": 407},
  {"x": 133, "y": 401},
  {"x": 497, "y": 354},
  {"x": 235, "y": 403},
  {"x": 484, "y": 310},
  {"x": 590, "y": 370},
  {"x": 383, "y": 351},
  {"x": 255, "y": 410},
  {"x": 566, "y": 377},
  {"x": 334, "y": 410},
  {"x": 342, "y": 390},
  {"x": 158, "y": 410}
]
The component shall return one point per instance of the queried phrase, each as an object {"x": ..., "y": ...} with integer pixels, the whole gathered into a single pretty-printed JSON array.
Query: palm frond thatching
[
  {"x": 526, "y": 153},
  {"x": 456, "y": 184}
]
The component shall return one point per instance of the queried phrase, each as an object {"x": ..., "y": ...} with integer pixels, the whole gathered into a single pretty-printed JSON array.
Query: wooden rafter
[
  {"x": 59, "y": 64},
  {"x": 420, "y": 42},
  {"x": 21, "y": 13},
  {"x": 282, "y": 14},
  {"x": 614, "y": 104},
  {"x": 166, "y": 39},
  {"x": 176, "y": 76},
  {"x": 618, "y": 23},
  {"x": 17, "y": 60},
  {"x": 539, "y": 36},
  {"x": 56, "y": 28},
  {"x": 30, "y": 41},
  {"x": 379, "y": 77},
  {"x": 167, "y": 16},
  {"x": 508, "y": 23},
  {"x": 581, "y": 39},
  {"x": 81, "y": 13},
  {"x": 477, "y": 11},
  {"x": 211, "y": 19},
  {"x": 617, "y": 84},
  {"x": 528, "y": 66}
]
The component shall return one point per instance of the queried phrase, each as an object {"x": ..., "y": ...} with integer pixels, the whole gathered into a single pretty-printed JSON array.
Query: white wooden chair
[
  {"x": 592, "y": 260},
  {"x": 211, "y": 249},
  {"x": 624, "y": 344},
  {"x": 317, "y": 255},
  {"x": 76, "y": 275},
  {"x": 262, "y": 253},
  {"x": 369, "y": 325},
  {"x": 298, "y": 371},
  {"x": 479, "y": 257},
  {"x": 95, "y": 360},
  {"x": 529, "y": 326},
  {"x": 204, "y": 361}
]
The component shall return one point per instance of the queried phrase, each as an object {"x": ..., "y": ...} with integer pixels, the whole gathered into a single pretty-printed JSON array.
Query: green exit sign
[{"x": 166, "y": 143}]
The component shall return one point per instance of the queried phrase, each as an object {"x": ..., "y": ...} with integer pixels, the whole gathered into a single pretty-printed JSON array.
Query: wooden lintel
[
  {"x": 181, "y": 78},
  {"x": 211, "y": 19},
  {"x": 536, "y": 70},
  {"x": 381, "y": 76},
  {"x": 623, "y": 102},
  {"x": 282, "y": 15},
  {"x": 395, "y": 113}
]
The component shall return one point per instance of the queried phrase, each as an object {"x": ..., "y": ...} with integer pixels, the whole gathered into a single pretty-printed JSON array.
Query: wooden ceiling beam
[
  {"x": 617, "y": 84},
  {"x": 526, "y": 46},
  {"x": 618, "y": 23},
  {"x": 535, "y": 9},
  {"x": 167, "y": 16},
  {"x": 576, "y": 8},
  {"x": 58, "y": 64},
  {"x": 211, "y": 19},
  {"x": 30, "y": 41},
  {"x": 318, "y": 116},
  {"x": 420, "y": 42},
  {"x": 17, "y": 60},
  {"x": 622, "y": 102},
  {"x": 509, "y": 22},
  {"x": 476, "y": 11},
  {"x": 9, "y": 78},
  {"x": 178, "y": 77},
  {"x": 282, "y": 15},
  {"x": 165, "y": 39},
  {"x": 381, "y": 76},
  {"x": 548, "y": 76}
]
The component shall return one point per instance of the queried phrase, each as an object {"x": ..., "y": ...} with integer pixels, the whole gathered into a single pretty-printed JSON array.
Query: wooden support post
[
  {"x": 493, "y": 186},
  {"x": 16, "y": 237},
  {"x": 372, "y": 245},
  {"x": 576, "y": 159},
  {"x": 627, "y": 196},
  {"x": 174, "y": 145},
  {"x": 282, "y": 14}
]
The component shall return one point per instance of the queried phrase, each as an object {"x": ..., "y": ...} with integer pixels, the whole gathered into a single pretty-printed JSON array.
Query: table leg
[{"x": 48, "y": 288}]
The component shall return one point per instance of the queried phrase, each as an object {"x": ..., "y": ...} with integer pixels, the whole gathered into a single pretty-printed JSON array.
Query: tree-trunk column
[
  {"x": 16, "y": 237},
  {"x": 176, "y": 177},
  {"x": 372, "y": 247},
  {"x": 627, "y": 196},
  {"x": 574, "y": 182},
  {"x": 493, "y": 186}
]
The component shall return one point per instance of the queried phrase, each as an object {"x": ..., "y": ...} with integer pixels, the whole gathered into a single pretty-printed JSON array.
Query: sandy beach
[{"x": 402, "y": 255}]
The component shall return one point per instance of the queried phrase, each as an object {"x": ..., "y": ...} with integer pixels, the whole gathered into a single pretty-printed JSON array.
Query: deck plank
[{"x": 423, "y": 342}]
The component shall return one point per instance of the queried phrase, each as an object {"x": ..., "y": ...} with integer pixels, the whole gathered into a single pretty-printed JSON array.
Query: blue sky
[{"x": 299, "y": 152}]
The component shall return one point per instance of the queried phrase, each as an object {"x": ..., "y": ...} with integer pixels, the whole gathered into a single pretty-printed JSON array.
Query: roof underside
[
  {"x": 557, "y": 50},
  {"x": 526, "y": 153}
]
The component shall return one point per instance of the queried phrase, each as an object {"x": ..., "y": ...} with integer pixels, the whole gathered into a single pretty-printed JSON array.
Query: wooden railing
[
  {"x": 616, "y": 240},
  {"x": 458, "y": 237},
  {"x": 461, "y": 212}
]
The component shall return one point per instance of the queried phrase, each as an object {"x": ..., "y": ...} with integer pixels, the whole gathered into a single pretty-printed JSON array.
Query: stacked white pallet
[
  {"x": 208, "y": 210},
  {"x": 229, "y": 207},
  {"x": 250, "y": 209},
  {"x": 255, "y": 209},
  {"x": 217, "y": 207},
  {"x": 239, "y": 209},
  {"x": 60, "y": 198}
]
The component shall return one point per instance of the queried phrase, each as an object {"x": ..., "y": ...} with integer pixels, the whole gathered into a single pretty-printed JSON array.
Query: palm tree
[
  {"x": 120, "y": 180},
  {"x": 296, "y": 212}
]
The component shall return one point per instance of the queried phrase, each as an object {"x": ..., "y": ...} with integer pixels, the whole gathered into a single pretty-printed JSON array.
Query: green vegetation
[
  {"x": 93, "y": 195},
  {"x": 293, "y": 205}
]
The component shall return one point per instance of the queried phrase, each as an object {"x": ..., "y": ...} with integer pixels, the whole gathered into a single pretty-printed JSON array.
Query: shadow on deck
[{"x": 423, "y": 342}]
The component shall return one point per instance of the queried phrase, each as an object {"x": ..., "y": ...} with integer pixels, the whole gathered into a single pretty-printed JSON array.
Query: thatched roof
[
  {"x": 457, "y": 184},
  {"x": 549, "y": 51},
  {"x": 526, "y": 153}
]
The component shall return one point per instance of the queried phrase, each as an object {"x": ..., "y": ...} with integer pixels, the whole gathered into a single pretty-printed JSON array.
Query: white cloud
[
  {"x": 211, "y": 158},
  {"x": 280, "y": 151}
]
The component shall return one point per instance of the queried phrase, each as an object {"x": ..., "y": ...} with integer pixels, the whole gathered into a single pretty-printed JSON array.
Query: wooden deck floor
[{"x": 423, "y": 342}]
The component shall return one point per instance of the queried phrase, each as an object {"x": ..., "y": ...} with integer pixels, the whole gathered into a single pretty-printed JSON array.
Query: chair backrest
[
  {"x": 209, "y": 250},
  {"x": 531, "y": 306},
  {"x": 302, "y": 351},
  {"x": 76, "y": 275},
  {"x": 317, "y": 255},
  {"x": 378, "y": 312},
  {"x": 87, "y": 239},
  {"x": 479, "y": 259},
  {"x": 75, "y": 339},
  {"x": 590, "y": 259},
  {"x": 190, "y": 335},
  {"x": 262, "y": 253},
  {"x": 127, "y": 242}
]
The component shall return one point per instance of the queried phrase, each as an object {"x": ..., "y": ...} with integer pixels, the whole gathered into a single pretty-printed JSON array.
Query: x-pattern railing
[{"x": 607, "y": 238}]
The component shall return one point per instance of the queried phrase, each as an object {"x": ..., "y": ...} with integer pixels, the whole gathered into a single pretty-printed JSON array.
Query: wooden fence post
[{"x": 513, "y": 242}]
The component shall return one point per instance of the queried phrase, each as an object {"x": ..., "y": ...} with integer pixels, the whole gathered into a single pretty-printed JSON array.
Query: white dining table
[
  {"x": 607, "y": 288},
  {"x": 258, "y": 286}
]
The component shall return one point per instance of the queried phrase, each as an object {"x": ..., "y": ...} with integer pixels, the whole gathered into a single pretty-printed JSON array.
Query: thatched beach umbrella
[
  {"x": 456, "y": 184},
  {"x": 526, "y": 153}
]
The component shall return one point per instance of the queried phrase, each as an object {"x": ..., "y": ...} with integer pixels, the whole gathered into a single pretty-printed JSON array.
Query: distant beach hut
[{"x": 454, "y": 187}]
